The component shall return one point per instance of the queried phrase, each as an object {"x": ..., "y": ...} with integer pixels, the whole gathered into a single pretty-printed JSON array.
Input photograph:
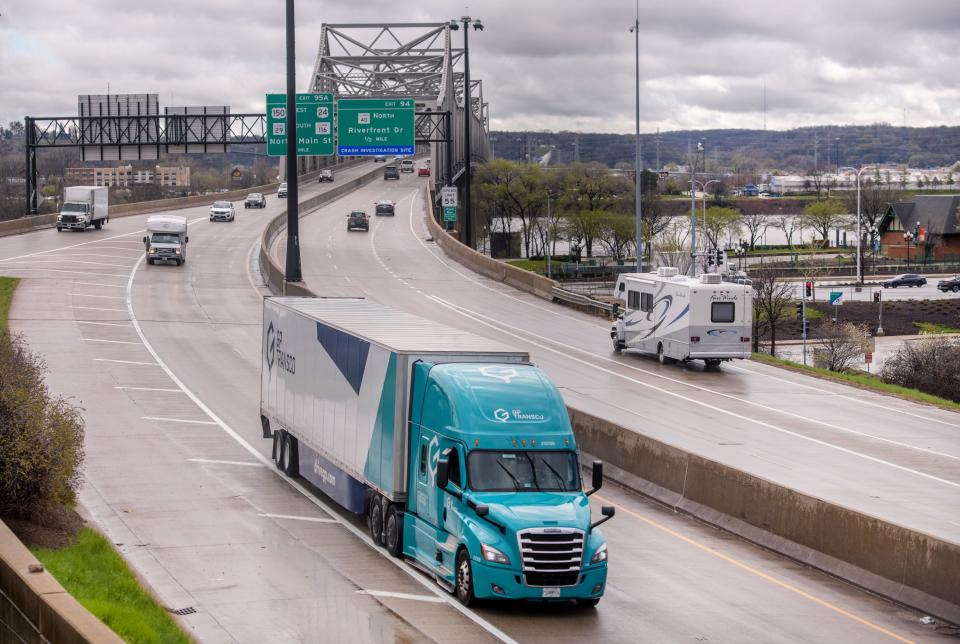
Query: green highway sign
[
  {"x": 371, "y": 126},
  {"x": 836, "y": 297},
  {"x": 314, "y": 125},
  {"x": 449, "y": 213}
]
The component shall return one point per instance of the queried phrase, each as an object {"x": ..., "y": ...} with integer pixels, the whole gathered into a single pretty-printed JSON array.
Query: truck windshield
[
  {"x": 74, "y": 207},
  {"x": 523, "y": 471},
  {"x": 165, "y": 238}
]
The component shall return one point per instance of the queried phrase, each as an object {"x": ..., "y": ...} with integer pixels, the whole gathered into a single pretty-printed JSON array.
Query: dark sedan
[
  {"x": 952, "y": 284},
  {"x": 907, "y": 279}
]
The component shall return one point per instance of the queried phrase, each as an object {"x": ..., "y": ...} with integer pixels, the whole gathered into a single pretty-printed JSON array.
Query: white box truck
[
  {"x": 458, "y": 450},
  {"x": 166, "y": 239},
  {"x": 83, "y": 206},
  {"x": 681, "y": 318}
]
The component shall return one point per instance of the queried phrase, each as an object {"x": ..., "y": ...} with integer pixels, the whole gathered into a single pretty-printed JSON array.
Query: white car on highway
[
  {"x": 407, "y": 165},
  {"x": 222, "y": 211}
]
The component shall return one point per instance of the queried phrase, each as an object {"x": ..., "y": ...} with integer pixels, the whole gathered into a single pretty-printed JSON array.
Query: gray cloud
[{"x": 545, "y": 64}]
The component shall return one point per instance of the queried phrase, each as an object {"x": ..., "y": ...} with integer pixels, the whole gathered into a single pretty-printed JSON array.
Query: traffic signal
[
  {"x": 876, "y": 297},
  {"x": 709, "y": 258},
  {"x": 799, "y": 310},
  {"x": 808, "y": 289}
]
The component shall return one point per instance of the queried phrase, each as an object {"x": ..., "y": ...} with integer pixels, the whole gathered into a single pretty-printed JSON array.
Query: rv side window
[
  {"x": 633, "y": 300},
  {"x": 646, "y": 301},
  {"x": 722, "y": 312}
]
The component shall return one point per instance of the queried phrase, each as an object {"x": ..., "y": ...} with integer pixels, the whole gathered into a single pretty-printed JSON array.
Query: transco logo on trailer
[
  {"x": 270, "y": 346},
  {"x": 275, "y": 352}
]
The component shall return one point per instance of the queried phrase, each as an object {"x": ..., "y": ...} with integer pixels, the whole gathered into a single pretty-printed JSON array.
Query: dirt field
[{"x": 898, "y": 316}]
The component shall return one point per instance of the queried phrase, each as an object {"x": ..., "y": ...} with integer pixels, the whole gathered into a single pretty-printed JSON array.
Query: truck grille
[
  {"x": 551, "y": 556},
  {"x": 69, "y": 219}
]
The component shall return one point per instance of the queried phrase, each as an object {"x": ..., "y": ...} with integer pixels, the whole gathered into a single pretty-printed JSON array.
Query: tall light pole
[
  {"x": 859, "y": 234},
  {"x": 292, "y": 270},
  {"x": 638, "y": 171},
  {"x": 468, "y": 121}
]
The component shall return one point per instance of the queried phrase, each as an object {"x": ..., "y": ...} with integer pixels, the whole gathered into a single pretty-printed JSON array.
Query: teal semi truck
[{"x": 457, "y": 450}]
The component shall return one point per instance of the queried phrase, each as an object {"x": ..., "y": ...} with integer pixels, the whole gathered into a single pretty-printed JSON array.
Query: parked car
[
  {"x": 222, "y": 211},
  {"x": 325, "y": 175},
  {"x": 407, "y": 165},
  {"x": 385, "y": 207},
  {"x": 952, "y": 284},
  {"x": 358, "y": 219},
  {"x": 379, "y": 159},
  {"x": 255, "y": 200},
  {"x": 423, "y": 171},
  {"x": 907, "y": 279},
  {"x": 391, "y": 172},
  {"x": 282, "y": 191}
]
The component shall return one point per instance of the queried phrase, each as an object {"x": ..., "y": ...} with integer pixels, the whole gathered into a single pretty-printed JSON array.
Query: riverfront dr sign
[
  {"x": 314, "y": 125},
  {"x": 371, "y": 126}
]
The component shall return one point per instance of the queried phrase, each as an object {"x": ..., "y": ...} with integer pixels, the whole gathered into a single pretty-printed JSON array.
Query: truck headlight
[
  {"x": 177, "y": 251},
  {"x": 492, "y": 554},
  {"x": 599, "y": 555},
  {"x": 153, "y": 251}
]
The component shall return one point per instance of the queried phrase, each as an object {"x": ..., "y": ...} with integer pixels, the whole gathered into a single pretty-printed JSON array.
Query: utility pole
[
  {"x": 637, "y": 165},
  {"x": 693, "y": 210},
  {"x": 292, "y": 272},
  {"x": 816, "y": 143},
  {"x": 659, "y": 167}
]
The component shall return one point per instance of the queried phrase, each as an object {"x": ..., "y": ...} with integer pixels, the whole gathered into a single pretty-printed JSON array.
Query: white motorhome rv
[
  {"x": 166, "y": 239},
  {"x": 676, "y": 317}
]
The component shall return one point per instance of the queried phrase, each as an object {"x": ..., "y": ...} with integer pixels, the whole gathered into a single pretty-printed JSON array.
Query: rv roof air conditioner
[
  {"x": 668, "y": 271},
  {"x": 711, "y": 278}
]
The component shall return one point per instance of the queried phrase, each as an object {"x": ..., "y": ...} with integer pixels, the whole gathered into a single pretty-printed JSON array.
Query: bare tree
[
  {"x": 791, "y": 225},
  {"x": 722, "y": 222},
  {"x": 618, "y": 233},
  {"x": 842, "y": 344},
  {"x": 816, "y": 180},
  {"x": 756, "y": 225},
  {"x": 771, "y": 302},
  {"x": 928, "y": 365}
]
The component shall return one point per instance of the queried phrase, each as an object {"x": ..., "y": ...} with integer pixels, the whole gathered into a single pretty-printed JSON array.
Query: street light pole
[
  {"x": 292, "y": 271},
  {"x": 636, "y": 165},
  {"x": 467, "y": 123}
]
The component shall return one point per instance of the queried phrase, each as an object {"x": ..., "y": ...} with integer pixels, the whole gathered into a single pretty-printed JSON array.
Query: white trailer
[
  {"x": 680, "y": 318},
  {"x": 84, "y": 206}
]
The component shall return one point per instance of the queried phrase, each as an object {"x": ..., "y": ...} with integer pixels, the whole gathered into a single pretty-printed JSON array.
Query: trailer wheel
[
  {"x": 291, "y": 460},
  {"x": 376, "y": 520},
  {"x": 393, "y": 531},
  {"x": 278, "y": 445},
  {"x": 464, "y": 579}
]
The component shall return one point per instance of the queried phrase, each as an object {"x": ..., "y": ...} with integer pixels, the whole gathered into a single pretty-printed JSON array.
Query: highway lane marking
[
  {"x": 172, "y": 391},
  {"x": 356, "y": 532},
  {"x": 759, "y": 573},
  {"x": 393, "y": 595},
  {"x": 96, "y": 308},
  {"x": 218, "y": 461},
  {"x": 501, "y": 327},
  {"x": 845, "y": 396},
  {"x": 178, "y": 420},
  {"x": 28, "y": 267},
  {"x": 98, "y": 284},
  {"x": 145, "y": 364},
  {"x": 294, "y": 517},
  {"x": 70, "y": 261},
  {"x": 111, "y": 341},
  {"x": 436, "y": 254},
  {"x": 102, "y": 323},
  {"x": 60, "y": 248}
]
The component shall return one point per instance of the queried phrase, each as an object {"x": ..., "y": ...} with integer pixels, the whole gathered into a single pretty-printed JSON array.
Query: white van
[
  {"x": 680, "y": 318},
  {"x": 166, "y": 239}
]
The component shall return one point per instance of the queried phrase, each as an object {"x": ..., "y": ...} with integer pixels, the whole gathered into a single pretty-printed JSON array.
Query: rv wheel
[
  {"x": 618, "y": 346},
  {"x": 661, "y": 356},
  {"x": 713, "y": 364}
]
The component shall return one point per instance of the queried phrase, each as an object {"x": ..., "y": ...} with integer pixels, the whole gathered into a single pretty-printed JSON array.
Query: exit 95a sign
[
  {"x": 314, "y": 124},
  {"x": 371, "y": 126}
]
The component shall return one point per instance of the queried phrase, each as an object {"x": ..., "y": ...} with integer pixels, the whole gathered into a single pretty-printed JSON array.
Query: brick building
[
  {"x": 125, "y": 176},
  {"x": 938, "y": 219}
]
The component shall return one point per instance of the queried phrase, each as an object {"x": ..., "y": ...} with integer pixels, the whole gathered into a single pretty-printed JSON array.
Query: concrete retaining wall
[
  {"x": 35, "y": 608},
  {"x": 904, "y": 565},
  {"x": 500, "y": 271},
  {"x": 36, "y": 222},
  {"x": 270, "y": 269}
]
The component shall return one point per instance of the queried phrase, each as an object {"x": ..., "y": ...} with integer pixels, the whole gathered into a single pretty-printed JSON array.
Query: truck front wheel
[
  {"x": 464, "y": 584},
  {"x": 393, "y": 531},
  {"x": 588, "y": 603}
]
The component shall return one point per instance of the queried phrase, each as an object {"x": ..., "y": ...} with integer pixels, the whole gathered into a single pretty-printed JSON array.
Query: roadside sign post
[
  {"x": 372, "y": 126},
  {"x": 314, "y": 125},
  {"x": 836, "y": 299},
  {"x": 448, "y": 199}
]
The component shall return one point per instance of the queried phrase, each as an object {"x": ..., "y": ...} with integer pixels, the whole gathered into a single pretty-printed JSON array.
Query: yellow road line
[{"x": 754, "y": 571}]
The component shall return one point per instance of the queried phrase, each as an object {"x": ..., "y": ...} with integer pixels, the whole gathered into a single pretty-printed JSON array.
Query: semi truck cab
[{"x": 496, "y": 507}]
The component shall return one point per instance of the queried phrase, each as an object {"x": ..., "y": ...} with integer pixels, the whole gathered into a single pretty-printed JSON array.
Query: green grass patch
[
  {"x": 935, "y": 327},
  {"x": 532, "y": 265},
  {"x": 7, "y": 284},
  {"x": 93, "y": 572},
  {"x": 860, "y": 380}
]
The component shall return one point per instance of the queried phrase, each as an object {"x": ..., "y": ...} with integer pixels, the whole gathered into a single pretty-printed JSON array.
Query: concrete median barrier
[
  {"x": 34, "y": 607},
  {"x": 502, "y": 272},
  {"x": 902, "y": 564}
]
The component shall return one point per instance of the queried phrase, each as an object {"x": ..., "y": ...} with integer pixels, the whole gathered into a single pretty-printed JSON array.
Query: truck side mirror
[
  {"x": 144, "y": 239},
  {"x": 443, "y": 474},
  {"x": 186, "y": 240},
  {"x": 482, "y": 510},
  {"x": 615, "y": 310},
  {"x": 597, "y": 477},
  {"x": 607, "y": 511}
]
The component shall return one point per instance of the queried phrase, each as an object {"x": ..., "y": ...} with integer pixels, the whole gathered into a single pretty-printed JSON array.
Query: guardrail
[
  {"x": 581, "y": 301},
  {"x": 34, "y": 607},
  {"x": 37, "y": 222}
]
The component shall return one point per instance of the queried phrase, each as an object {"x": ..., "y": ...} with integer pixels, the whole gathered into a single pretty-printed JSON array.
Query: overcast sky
[{"x": 545, "y": 64}]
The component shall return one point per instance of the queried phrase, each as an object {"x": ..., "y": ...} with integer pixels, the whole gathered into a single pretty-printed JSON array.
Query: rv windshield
[
  {"x": 523, "y": 471},
  {"x": 165, "y": 238},
  {"x": 74, "y": 207}
]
